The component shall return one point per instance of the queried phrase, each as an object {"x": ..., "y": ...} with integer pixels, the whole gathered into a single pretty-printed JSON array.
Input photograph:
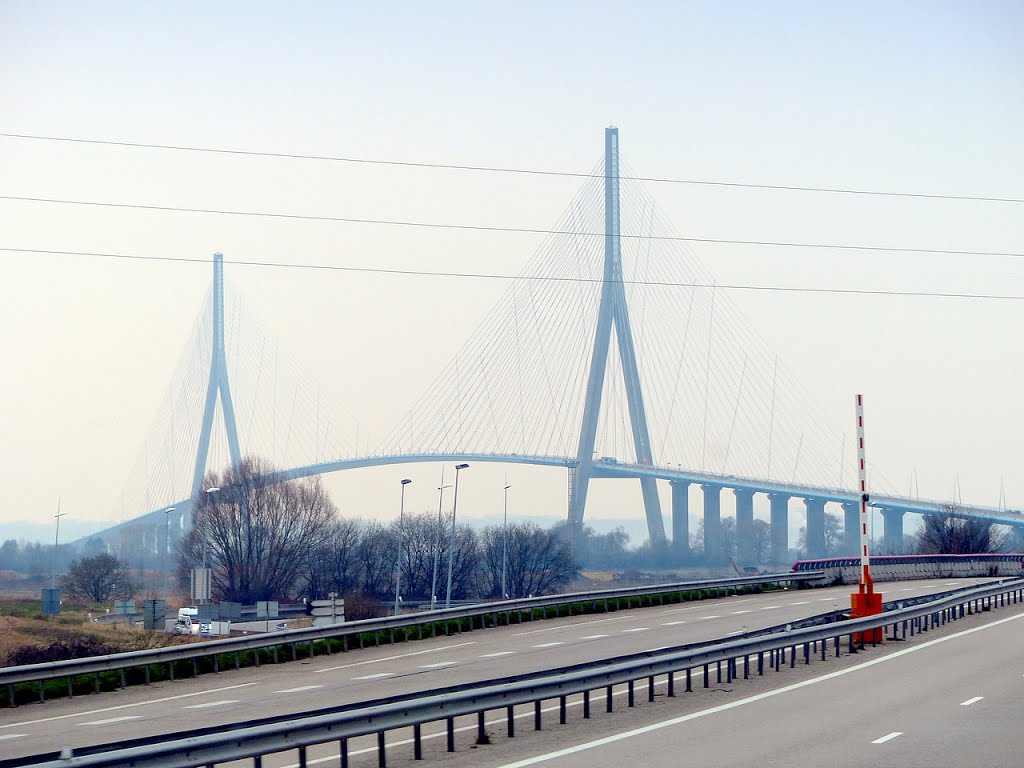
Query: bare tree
[
  {"x": 256, "y": 537},
  {"x": 98, "y": 579},
  {"x": 539, "y": 561},
  {"x": 376, "y": 556},
  {"x": 945, "y": 534},
  {"x": 420, "y": 540},
  {"x": 762, "y": 544},
  {"x": 334, "y": 566}
]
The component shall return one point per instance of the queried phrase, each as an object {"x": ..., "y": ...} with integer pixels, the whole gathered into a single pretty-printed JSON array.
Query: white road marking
[
  {"x": 636, "y": 629},
  {"x": 127, "y": 706},
  {"x": 951, "y": 583},
  {"x": 376, "y": 676},
  {"x": 113, "y": 720},
  {"x": 827, "y": 599},
  {"x": 11, "y": 736},
  {"x": 439, "y": 664},
  {"x": 655, "y": 650},
  {"x": 672, "y": 623},
  {"x": 737, "y": 613},
  {"x": 570, "y": 626},
  {"x": 906, "y": 589},
  {"x": 496, "y": 654},
  {"x": 737, "y": 632},
  {"x": 300, "y": 688},
  {"x": 802, "y": 602},
  {"x": 887, "y": 737},
  {"x": 208, "y": 704},
  {"x": 548, "y": 645},
  {"x": 749, "y": 700},
  {"x": 770, "y": 607},
  {"x": 592, "y": 637},
  {"x": 399, "y": 656},
  {"x": 699, "y": 607},
  {"x": 974, "y": 700},
  {"x": 705, "y": 618}
]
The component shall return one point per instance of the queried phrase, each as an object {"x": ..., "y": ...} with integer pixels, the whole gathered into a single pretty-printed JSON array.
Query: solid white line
[
  {"x": 974, "y": 700},
  {"x": 592, "y": 637},
  {"x": 376, "y": 676},
  {"x": 548, "y": 645},
  {"x": 207, "y": 704},
  {"x": 636, "y": 629},
  {"x": 887, "y": 737},
  {"x": 672, "y": 623},
  {"x": 399, "y": 656},
  {"x": 439, "y": 664},
  {"x": 300, "y": 688},
  {"x": 11, "y": 736},
  {"x": 113, "y": 720},
  {"x": 750, "y": 700},
  {"x": 127, "y": 706},
  {"x": 496, "y": 654}
]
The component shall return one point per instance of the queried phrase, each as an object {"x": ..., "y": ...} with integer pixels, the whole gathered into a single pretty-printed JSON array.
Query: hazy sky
[{"x": 908, "y": 96}]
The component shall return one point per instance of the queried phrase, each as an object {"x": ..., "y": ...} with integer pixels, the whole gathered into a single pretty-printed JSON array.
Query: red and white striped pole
[{"x": 866, "y": 584}]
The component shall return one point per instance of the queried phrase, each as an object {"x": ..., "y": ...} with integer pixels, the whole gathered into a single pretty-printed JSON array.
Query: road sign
[
  {"x": 266, "y": 609},
  {"x": 327, "y": 612},
  {"x": 200, "y": 584},
  {"x": 51, "y": 601}
]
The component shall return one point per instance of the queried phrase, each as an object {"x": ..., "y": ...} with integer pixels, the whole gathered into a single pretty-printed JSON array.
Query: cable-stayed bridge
[{"x": 611, "y": 355}]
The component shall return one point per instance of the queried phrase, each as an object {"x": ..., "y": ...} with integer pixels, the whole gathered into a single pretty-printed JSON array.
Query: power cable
[
  {"x": 502, "y": 169},
  {"x": 532, "y": 278},
  {"x": 489, "y": 228}
]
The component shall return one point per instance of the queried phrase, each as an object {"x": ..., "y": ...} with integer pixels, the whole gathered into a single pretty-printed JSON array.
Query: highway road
[
  {"x": 954, "y": 700},
  {"x": 389, "y": 670}
]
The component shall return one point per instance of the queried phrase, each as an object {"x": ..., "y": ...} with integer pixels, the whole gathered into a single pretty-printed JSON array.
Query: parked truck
[{"x": 188, "y": 622}]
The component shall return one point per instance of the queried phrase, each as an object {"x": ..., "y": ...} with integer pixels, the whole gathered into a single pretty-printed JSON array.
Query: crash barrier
[
  {"x": 674, "y": 668},
  {"x": 90, "y": 675},
  {"x": 846, "y": 570}
]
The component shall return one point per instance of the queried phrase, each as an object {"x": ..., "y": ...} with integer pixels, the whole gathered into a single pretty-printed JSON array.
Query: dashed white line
[
  {"x": 802, "y": 602},
  {"x": 970, "y": 701},
  {"x": 399, "y": 656},
  {"x": 887, "y": 737},
  {"x": 672, "y": 623},
  {"x": 11, "y": 736},
  {"x": 635, "y": 629},
  {"x": 208, "y": 704},
  {"x": 113, "y": 720},
  {"x": 299, "y": 689},
  {"x": 770, "y": 607},
  {"x": 496, "y": 654},
  {"x": 737, "y": 613},
  {"x": 376, "y": 676},
  {"x": 548, "y": 645},
  {"x": 705, "y": 618},
  {"x": 439, "y": 664},
  {"x": 592, "y": 637}
]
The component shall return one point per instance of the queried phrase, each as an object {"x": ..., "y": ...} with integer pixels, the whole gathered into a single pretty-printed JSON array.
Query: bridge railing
[
  {"x": 476, "y": 616},
  {"x": 255, "y": 740}
]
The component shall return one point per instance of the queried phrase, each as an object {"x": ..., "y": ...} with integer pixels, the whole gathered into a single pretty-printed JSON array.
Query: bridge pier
[
  {"x": 680, "y": 517},
  {"x": 815, "y": 528},
  {"x": 851, "y": 527},
  {"x": 779, "y": 526},
  {"x": 712, "y": 522},
  {"x": 744, "y": 526},
  {"x": 892, "y": 536}
]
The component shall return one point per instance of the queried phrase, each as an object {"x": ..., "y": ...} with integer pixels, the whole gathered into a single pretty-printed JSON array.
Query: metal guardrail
[
  {"x": 299, "y": 733},
  {"x": 75, "y": 668}
]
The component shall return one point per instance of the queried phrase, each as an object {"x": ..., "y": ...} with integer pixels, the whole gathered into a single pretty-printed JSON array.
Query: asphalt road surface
[{"x": 389, "y": 670}]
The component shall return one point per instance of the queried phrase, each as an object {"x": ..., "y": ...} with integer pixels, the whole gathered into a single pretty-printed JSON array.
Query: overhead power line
[
  {"x": 489, "y": 228},
  {"x": 503, "y": 169},
  {"x": 532, "y": 278}
]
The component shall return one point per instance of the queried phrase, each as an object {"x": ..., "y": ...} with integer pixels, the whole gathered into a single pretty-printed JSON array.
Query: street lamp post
[
  {"x": 398, "y": 555},
  {"x": 56, "y": 537},
  {"x": 451, "y": 543},
  {"x": 437, "y": 540},
  {"x": 206, "y": 536},
  {"x": 167, "y": 546},
  {"x": 504, "y": 547}
]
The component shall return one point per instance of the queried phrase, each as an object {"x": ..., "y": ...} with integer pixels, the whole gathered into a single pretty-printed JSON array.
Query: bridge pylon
[
  {"x": 218, "y": 384},
  {"x": 613, "y": 310}
]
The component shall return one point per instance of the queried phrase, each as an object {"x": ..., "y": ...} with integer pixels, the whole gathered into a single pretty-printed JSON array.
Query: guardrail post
[
  {"x": 728, "y": 670},
  {"x": 586, "y": 705},
  {"x": 746, "y": 666},
  {"x": 450, "y": 725},
  {"x": 42, "y": 694},
  {"x": 807, "y": 653},
  {"x": 650, "y": 688},
  {"x": 561, "y": 710},
  {"x": 707, "y": 677},
  {"x": 481, "y": 730},
  {"x": 760, "y": 663},
  {"x": 629, "y": 694},
  {"x": 510, "y": 719},
  {"x": 343, "y": 749},
  {"x": 382, "y": 759},
  {"x": 417, "y": 742},
  {"x": 195, "y": 667},
  {"x": 718, "y": 672},
  {"x": 608, "y": 705},
  {"x": 837, "y": 646},
  {"x": 70, "y": 693},
  {"x": 536, "y": 715},
  {"x": 671, "y": 684},
  {"x": 792, "y": 657},
  {"x": 257, "y": 761},
  {"x": 689, "y": 689}
]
